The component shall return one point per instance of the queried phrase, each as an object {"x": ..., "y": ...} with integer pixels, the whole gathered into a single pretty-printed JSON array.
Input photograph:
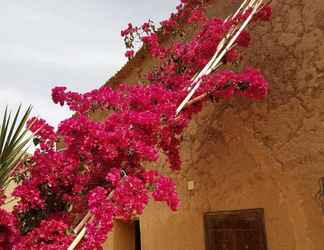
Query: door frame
[{"x": 258, "y": 212}]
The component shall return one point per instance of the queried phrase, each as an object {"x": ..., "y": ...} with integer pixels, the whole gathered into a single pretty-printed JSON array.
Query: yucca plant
[{"x": 14, "y": 142}]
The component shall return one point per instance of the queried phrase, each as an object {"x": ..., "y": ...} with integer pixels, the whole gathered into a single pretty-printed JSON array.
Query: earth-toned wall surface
[{"x": 242, "y": 154}]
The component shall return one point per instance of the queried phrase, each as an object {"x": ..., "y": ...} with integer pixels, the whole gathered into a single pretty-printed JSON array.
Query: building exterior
[{"x": 238, "y": 155}]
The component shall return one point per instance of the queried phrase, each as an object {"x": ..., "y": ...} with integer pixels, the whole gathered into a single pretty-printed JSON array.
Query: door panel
[
  {"x": 223, "y": 240},
  {"x": 247, "y": 240}
]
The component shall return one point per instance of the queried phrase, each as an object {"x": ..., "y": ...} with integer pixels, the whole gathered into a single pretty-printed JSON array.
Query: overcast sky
[{"x": 75, "y": 43}]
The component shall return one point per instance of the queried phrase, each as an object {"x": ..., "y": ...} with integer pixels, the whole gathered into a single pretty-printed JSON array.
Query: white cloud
[{"x": 10, "y": 97}]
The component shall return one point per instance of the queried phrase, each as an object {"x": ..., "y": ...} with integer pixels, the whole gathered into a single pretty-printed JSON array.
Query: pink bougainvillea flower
[{"x": 101, "y": 166}]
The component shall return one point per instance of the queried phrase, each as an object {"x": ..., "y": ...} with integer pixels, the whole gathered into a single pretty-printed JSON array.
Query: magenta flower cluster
[{"x": 101, "y": 166}]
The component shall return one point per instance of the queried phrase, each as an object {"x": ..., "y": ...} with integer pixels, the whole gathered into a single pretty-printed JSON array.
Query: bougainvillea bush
[{"x": 100, "y": 166}]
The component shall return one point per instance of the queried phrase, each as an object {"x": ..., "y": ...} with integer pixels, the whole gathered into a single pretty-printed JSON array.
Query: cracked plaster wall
[{"x": 243, "y": 154}]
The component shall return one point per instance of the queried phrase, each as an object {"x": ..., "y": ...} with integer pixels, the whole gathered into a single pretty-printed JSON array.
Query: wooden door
[{"x": 235, "y": 230}]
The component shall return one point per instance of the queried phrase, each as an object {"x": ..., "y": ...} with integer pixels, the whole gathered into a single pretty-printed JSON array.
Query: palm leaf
[{"x": 13, "y": 142}]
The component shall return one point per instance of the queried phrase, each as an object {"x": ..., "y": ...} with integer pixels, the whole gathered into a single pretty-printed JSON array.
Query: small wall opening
[
  {"x": 127, "y": 236},
  {"x": 137, "y": 229}
]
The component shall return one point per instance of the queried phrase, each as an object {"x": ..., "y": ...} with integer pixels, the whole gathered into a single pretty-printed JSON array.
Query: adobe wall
[{"x": 270, "y": 154}]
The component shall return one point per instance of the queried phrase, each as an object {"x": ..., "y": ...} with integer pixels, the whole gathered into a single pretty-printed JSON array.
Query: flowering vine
[{"x": 100, "y": 166}]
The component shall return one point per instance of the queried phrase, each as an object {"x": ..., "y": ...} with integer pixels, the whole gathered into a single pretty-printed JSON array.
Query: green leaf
[
  {"x": 3, "y": 130},
  {"x": 13, "y": 142}
]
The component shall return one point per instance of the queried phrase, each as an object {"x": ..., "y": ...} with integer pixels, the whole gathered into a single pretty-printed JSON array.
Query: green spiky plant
[{"x": 14, "y": 142}]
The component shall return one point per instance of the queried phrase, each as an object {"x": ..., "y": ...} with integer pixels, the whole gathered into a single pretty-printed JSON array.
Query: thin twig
[
  {"x": 77, "y": 239},
  {"x": 82, "y": 223}
]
